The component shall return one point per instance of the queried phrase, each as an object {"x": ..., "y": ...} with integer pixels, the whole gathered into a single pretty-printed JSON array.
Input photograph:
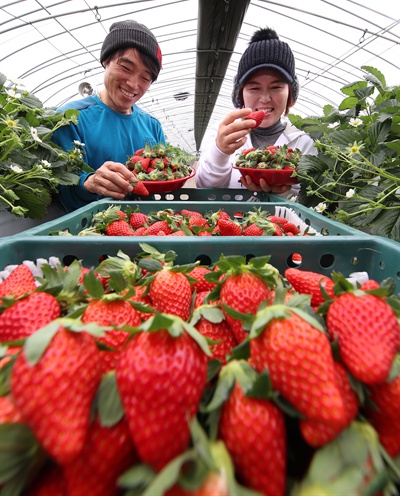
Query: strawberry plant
[
  {"x": 355, "y": 177},
  {"x": 31, "y": 165}
]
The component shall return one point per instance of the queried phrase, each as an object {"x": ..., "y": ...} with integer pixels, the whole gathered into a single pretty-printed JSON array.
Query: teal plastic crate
[
  {"x": 81, "y": 218},
  {"x": 209, "y": 194},
  {"x": 377, "y": 256}
]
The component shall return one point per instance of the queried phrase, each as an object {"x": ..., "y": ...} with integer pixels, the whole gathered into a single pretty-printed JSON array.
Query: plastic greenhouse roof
[{"x": 54, "y": 46}]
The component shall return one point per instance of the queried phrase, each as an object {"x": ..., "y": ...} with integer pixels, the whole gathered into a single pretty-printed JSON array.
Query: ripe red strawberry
[
  {"x": 108, "y": 452},
  {"x": 221, "y": 333},
  {"x": 299, "y": 359},
  {"x": 161, "y": 381},
  {"x": 116, "y": 313},
  {"x": 138, "y": 219},
  {"x": 55, "y": 394},
  {"x": 368, "y": 333},
  {"x": 308, "y": 282},
  {"x": 254, "y": 433},
  {"x": 190, "y": 213},
  {"x": 248, "y": 150},
  {"x": 289, "y": 227},
  {"x": 257, "y": 116},
  {"x": 119, "y": 228},
  {"x": 277, "y": 220},
  {"x": 200, "y": 297},
  {"x": 383, "y": 413},
  {"x": 253, "y": 230},
  {"x": 18, "y": 283},
  {"x": 229, "y": 228},
  {"x": 244, "y": 293},
  {"x": 110, "y": 313},
  {"x": 278, "y": 230},
  {"x": 157, "y": 227},
  {"x": 318, "y": 433},
  {"x": 370, "y": 284},
  {"x": 197, "y": 221},
  {"x": 170, "y": 292},
  {"x": 28, "y": 315},
  {"x": 201, "y": 285},
  {"x": 140, "y": 189}
]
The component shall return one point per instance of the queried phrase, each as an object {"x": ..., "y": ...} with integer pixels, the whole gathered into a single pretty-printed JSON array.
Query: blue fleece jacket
[{"x": 107, "y": 135}]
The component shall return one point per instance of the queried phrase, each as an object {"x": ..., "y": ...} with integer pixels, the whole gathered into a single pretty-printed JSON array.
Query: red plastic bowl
[
  {"x": 272, "y": 177},
  {"x": 168, "y": 185}
]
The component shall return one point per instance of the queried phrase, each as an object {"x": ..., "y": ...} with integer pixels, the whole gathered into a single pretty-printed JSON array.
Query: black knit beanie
[
  {"x": 265, "y": 51},
  {"x": 131, "y": 34}
]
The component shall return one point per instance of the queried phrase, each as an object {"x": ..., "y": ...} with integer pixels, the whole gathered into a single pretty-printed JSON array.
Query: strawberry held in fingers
[
  {"x": 257, "y": 116},
  {"x": 140, "y": 189},
  {"x": 368, "y": 333}
]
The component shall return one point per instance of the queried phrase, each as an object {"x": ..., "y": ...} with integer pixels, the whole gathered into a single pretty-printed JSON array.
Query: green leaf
[
  {"x": 348, "y": 103},
  {"x": 168, "y": 475},
  {"x": 37, "y": 343},
  {"x": 93, "y": 285},
  {"x": 109, "y": 402},
  {"x": 349, "y": 89},
  {"x": 378, "y": 132},
  {"x": 224, "y": 387},
  {"x": 377, "y": 74},
  {"x": 198, "y": 337},
  {"x": 138, "y": 476},
  {"x": 19, "y": 448}
]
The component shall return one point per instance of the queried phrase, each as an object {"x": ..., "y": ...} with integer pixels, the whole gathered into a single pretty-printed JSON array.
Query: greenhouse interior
[{"x": 200, "y": 248}]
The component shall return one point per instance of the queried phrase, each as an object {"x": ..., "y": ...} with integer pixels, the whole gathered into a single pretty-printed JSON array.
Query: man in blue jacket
[{"x": 111, "y": 126}]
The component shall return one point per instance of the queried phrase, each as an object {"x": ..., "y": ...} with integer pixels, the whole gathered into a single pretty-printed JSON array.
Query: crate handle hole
[
  {"x": 327, "y": 260},
  {"x": 204, "y": 260},
  {"x": 294, "y": 260}
]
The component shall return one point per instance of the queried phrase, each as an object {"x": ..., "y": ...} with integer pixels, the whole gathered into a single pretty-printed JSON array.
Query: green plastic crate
[
  {"x": 81, "y": 218},
  {"x": 209, "y": 194},
  {"x": 377, "y": 256}
]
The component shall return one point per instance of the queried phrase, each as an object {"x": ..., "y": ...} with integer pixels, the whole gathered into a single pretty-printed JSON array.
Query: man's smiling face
[{"x": 126, "y": 80}]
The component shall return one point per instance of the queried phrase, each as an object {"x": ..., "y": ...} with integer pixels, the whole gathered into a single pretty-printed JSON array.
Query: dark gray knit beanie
[
  {"x": 131, "y": 34},
  {"x": 265, "y": 51}
]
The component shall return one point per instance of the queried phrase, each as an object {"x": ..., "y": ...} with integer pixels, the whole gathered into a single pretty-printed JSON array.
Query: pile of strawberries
[
  {"x": 257, "y": 222},
  {"x": 158, "y": 163},
  {"x": 146, "y": 377},
  {"x": 271, "y": 157}
]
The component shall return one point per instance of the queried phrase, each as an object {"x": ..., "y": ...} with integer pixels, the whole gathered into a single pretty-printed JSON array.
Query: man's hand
[{"x": 111, "y": 179}]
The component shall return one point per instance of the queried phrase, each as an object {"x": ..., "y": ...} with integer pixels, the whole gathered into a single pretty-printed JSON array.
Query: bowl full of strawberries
[
  {"x": 159, "y": 168},
  {"x": 277, "y": 165}
]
